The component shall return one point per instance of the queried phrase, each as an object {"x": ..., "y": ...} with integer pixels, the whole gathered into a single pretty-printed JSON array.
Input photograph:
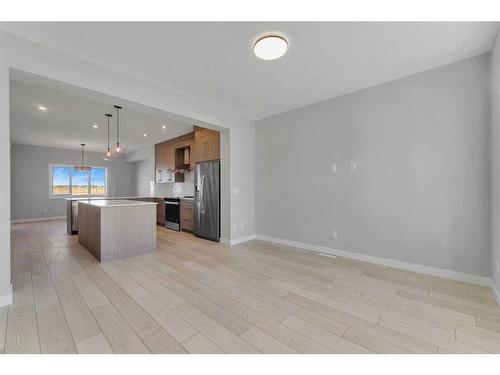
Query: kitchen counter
[
  {"x": 116, "y": 229},
  {"x": 115, "y": 202},
  {"x": 109, "y": 198},
  {"x": 72, "y": 208}
]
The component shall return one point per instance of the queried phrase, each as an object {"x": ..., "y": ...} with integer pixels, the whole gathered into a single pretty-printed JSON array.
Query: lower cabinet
[
  {"x": 160, "y": 211},
  {"x": 187, "y": 215}
]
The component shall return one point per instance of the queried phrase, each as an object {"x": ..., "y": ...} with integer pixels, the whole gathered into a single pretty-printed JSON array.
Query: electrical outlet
[
  {"x": 354, "y": 167},
  {"x": 234, "y": 226},
  {"x": 334, "y": 168},
  {"x": 242, "y": 225},
  {"x": 335, "y": 235}
]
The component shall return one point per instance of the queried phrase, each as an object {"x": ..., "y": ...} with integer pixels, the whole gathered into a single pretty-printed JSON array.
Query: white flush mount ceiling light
[
  {"x": 95, "y": 126},
  {"x": 270, "y": 47},
  {"x": 164, "y": 126},
  {"x": 42, "y": 108}
]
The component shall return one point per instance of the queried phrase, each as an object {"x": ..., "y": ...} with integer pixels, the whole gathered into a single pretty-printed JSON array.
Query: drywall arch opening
[{"x": 69, "y": 111}]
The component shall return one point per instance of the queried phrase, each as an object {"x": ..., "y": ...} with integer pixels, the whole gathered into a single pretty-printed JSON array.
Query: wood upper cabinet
[
  {"x": 167, "y": 157},
  {"x": 164, "y": 161},
  {"x": 203, "y": 145},
  {"x": 206, "y": 145}
]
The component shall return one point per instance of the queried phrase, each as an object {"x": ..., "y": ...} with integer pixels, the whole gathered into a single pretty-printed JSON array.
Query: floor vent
[{"x": 328, "y": 255}]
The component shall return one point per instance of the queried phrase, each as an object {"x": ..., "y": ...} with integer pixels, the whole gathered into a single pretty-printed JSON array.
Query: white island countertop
[
  {"x": 115, "y": 202},
  {"x": 109, "y": 198}
]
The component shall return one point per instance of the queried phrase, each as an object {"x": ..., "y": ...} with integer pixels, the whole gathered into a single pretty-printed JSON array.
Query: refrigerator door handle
[{"x": 202, "y": 203}]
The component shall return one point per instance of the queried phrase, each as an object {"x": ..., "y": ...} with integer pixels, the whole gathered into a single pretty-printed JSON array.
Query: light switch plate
[
  {"x": 354, "y": 167},
  {"x": 334, "y": 168}
]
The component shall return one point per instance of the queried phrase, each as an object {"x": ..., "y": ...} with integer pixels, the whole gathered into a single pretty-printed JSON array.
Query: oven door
[{"x": 172, "y": 215}]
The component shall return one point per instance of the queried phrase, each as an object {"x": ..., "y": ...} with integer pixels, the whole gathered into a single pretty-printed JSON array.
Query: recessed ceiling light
[
  {"x": 270, "y": 47},
  {"x": 164, "y": 126},
  {"x": 144, "y": 135},
  {"x": 42, "y": 108},
  {"x": 95, "y": 126}
]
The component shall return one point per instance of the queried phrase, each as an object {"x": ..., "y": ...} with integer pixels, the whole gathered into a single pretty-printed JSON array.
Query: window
[{"x": 66, "y": 181}]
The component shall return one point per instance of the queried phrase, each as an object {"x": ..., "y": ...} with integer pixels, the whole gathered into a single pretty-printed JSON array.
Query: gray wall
[
  {"x": 30, "y": 179},
  {"x": 143, "y": 175},
  {"x": 495, "y": 139},
  {"x": 421, "y": 193}
]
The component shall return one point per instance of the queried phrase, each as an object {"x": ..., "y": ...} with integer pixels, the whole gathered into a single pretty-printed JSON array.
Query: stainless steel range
[{"x": 172, "y": 213}]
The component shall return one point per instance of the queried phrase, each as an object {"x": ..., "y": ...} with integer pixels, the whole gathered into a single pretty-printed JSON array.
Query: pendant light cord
[
  {"x": 108, "y": 153},
  {"x": 108, "y": 133},
  {"x": 83, "y": 158},
  {"x": 117, "y": 126}
]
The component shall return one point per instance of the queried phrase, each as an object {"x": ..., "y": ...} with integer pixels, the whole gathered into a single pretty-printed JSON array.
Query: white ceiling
[
  {"x": 71, "y": 114},
  {"x": 215, "y": 63}
]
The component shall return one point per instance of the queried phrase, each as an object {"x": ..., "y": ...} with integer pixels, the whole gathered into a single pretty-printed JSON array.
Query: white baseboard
[
  {"x": 496, "y": 293},
  {"x": 6, "y": 299},
  {"x": 236, "y": 241},
  {"x": 37, "y": 219},
  {"x": 440, "y": 272}
]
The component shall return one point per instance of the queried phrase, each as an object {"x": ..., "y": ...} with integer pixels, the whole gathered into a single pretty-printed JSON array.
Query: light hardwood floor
[{"x": 195, "y": 296}]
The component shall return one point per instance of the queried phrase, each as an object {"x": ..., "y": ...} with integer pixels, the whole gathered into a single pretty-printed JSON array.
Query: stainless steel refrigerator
[{"x": 206, "y": 209}]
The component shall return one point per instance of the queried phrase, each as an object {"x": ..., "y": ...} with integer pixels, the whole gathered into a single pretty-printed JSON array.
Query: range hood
[{"x": 182, "y": 159}]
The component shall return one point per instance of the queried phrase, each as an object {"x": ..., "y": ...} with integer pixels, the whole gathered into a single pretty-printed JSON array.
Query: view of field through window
[{"x": 66, "y": 180}]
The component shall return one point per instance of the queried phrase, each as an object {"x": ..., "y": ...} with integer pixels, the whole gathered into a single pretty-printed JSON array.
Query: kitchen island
[
  {"x": 115, "y": 229},
  {"x": 72, "y": 209}
]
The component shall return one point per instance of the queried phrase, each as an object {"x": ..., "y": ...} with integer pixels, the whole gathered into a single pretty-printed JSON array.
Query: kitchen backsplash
[{"x": 175, "y": 188}]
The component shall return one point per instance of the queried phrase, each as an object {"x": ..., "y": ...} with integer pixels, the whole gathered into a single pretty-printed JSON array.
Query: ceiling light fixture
[
  {"x": 108, "y": 155},
  {"x": 42, "y": 108},
  {"x": 82, "y": 167},
  {"x": 119, "y": 149},
  {"x": 95, "y": 126},
  {"x": 163, "y": 126},
  {"x": 144, "y": 135},
  {"x": 270, "y": 47}
]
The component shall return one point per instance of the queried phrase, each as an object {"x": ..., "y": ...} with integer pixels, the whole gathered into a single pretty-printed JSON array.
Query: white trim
[
  {"x": 495, "y": 291},
  {"x": 440, "y": 272},
  {"x": 52, "y": 196},
  {"x": 6, "y": 299},
  {"x": 237, "y": 241},
  {"x": 37, "y": 219}
]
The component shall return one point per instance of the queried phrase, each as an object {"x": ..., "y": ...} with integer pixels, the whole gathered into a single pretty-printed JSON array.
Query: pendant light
[
  {"x": 82, "y": 167},
  {"x": 119, "y": 149},
  {"x": 108, "y": 155}
]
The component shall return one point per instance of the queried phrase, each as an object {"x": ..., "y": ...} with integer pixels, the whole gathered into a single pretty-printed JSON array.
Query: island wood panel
[
  {"x": 89, "y": 228},
  {"x": 127, "y": 231},
  {"x": 83, "y": 235}
]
